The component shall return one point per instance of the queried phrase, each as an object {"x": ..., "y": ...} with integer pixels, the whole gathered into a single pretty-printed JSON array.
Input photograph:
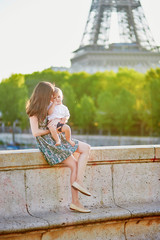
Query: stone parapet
[
  {"x": 125, "y": 202},
  {"x": 33, "y": 158}
]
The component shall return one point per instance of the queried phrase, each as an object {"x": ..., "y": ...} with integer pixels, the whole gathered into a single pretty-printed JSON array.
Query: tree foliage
[
  {"x": 87, "y": 113},
  {"x": 13, "y": 96},
  {"x": 126, "y": 102}
]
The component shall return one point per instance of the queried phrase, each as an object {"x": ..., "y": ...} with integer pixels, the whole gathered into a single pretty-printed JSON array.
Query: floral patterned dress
[{"x": 54, "y": 154}]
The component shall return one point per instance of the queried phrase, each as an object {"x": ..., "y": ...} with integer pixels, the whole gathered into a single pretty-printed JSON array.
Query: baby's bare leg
[
  {"x": 67, "y": 130},
  {"x": 54, "y": 134}
]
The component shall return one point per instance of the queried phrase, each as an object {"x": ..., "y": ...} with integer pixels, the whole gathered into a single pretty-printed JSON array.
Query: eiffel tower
[{"x": 136, "y": 47}]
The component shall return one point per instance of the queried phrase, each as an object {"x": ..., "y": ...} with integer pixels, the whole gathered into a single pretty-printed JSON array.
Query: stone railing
[{"x": 125, "y": 202}]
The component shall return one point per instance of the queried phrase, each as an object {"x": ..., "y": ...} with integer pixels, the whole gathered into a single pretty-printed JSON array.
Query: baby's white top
[{"x": 60, "y": 111}]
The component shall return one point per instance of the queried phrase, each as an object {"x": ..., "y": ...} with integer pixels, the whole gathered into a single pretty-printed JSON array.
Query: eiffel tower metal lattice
[{"x": 134, "y": 37}]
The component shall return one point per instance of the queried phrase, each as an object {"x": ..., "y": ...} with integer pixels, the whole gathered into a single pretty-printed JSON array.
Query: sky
[{"x": 38, "y": 34}]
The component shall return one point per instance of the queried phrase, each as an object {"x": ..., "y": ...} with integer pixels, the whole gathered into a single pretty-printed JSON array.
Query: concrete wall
[{"x": 125, "y": 186}]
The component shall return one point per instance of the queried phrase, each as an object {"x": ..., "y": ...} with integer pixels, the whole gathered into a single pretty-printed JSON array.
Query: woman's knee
[
  {"x": 88, "y": 148},
  {"x": 84, "y": 147},
  {"x": 71, "y": 163}
]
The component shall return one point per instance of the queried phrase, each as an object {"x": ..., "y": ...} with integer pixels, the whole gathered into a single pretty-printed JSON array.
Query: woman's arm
[{"x": 36, "y": 131}]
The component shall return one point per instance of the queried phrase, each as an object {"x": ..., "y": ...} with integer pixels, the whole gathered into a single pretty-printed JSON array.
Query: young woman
[{"x": 37, "y": 108}]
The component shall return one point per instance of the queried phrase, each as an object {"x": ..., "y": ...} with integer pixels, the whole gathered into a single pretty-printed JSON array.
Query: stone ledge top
[
  {"x": 64, "y": 217},
  {"x": 33, "y": 158}
]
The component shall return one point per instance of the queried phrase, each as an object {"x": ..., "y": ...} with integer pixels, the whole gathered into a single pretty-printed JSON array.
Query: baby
[{"x": 58, "y": 115}]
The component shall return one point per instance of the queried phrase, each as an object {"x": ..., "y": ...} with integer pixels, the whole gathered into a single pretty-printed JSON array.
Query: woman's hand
[{"x": 36, "y": 131}]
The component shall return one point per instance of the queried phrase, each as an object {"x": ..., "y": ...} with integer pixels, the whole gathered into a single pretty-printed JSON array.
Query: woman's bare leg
[
  {"x": 73, "y": 165},
  {"x": 84, "y": 150}
]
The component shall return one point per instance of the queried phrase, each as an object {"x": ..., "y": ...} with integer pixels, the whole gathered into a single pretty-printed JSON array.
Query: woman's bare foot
[{"x": 72, "y": 143}]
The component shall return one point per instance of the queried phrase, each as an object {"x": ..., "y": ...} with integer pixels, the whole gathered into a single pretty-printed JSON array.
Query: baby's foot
[
  {"x": 58, "y": 143},
  {"x": 72, "y": 143}
]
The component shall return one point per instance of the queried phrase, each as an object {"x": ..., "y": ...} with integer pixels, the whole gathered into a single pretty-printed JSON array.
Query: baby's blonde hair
[{"x": 58, "y": 90}]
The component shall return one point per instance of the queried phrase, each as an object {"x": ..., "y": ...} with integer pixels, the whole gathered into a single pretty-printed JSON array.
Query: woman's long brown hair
[{"x": 38, "y": 103}]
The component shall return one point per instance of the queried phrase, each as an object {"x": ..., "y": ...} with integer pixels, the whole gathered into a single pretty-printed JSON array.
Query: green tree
[
  {"x": 58, "y": 78},
  {"x": 85, "y": 112},
  {"x": 135, "y": 83},
  {"x": 69, "y": 101},
  {"x": 115, "y": 108},
  {"x": 106, "y": 111},
  {"x": 13, "y": 96},
  {"x": 152, "y": 99},
  {"x": 78, "y": 117},
  {"x": 80, "y": 84},
  {"x": 124, "y": 115},
  {"x": 98, "y": 82}
]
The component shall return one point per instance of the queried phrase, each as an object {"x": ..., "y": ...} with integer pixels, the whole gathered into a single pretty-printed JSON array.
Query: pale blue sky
[{"x": 37, "y": 34}]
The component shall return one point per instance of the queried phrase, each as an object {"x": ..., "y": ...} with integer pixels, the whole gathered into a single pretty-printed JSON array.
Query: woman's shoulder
[{"x": 34, "y": 119}]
